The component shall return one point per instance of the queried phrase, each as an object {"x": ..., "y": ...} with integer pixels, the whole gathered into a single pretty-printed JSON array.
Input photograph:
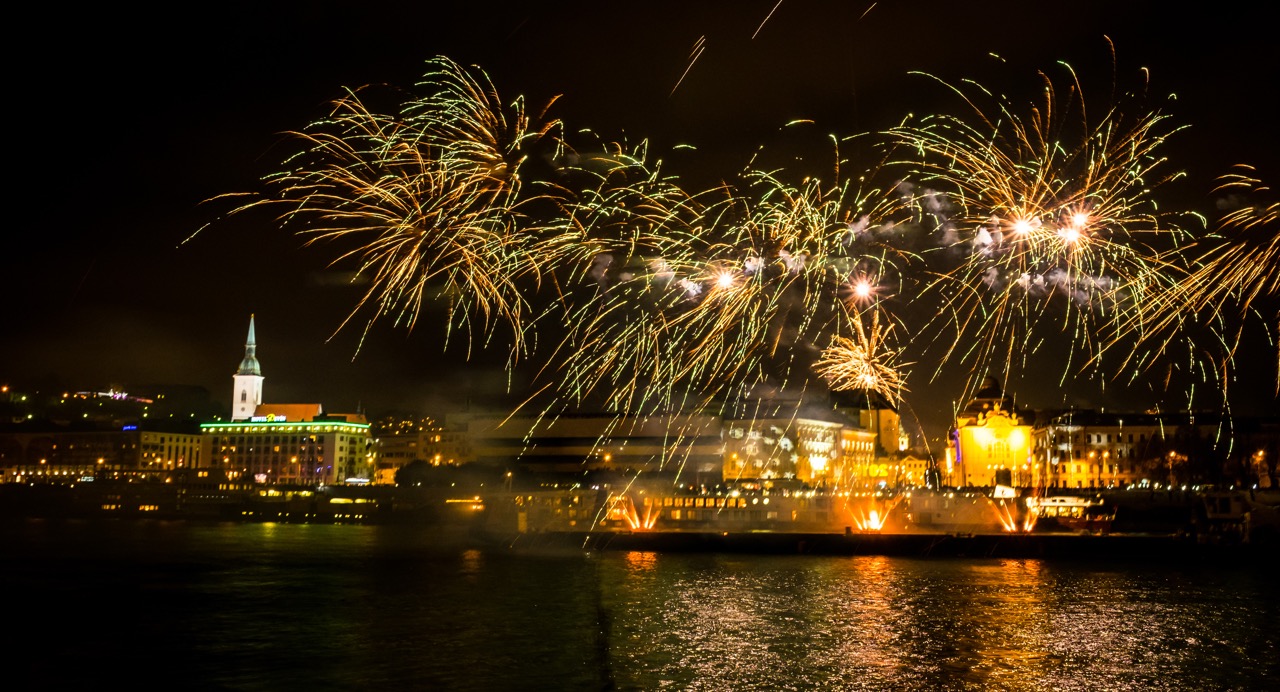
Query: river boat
[
  {"x": 755, "y": 511},
  {"x": 1238, "y": 516},
  {"x": 1071, "y": 513}
]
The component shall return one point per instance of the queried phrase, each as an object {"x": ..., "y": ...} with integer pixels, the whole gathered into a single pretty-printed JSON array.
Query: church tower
[{"x": 247, "y": 388}]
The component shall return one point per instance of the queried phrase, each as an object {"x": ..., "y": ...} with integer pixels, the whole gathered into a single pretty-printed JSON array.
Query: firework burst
[
  {"x": 1036, "y": 208},
  {"x": 864, "y": 363},
  {"x": 681, "y": 299},
  {"x": 428, "y": 201}
]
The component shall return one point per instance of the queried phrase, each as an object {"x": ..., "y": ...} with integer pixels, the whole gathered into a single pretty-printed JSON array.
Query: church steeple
[
  {"x": 247, "y": 388},
  {"x": 249, "y": 366}
]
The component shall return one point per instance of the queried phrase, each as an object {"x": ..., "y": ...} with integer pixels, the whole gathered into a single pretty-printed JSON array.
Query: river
[{"x": 141, "y": 604}]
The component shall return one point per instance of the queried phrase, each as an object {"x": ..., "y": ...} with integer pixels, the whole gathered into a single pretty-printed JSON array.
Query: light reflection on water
[
  {"x": 282, "y": 607},
  {"x": 726, "y": 622}
]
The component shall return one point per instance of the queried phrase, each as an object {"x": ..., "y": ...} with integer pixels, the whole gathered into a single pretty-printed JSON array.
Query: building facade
[
  {"x": 703, "y": 449},
  {"x": 1096, "y": 449},
  {"x": 991, "y": 443},
  {"x": 130, "y": 452},
  {"x": 688, "y": 445},
  {"x": 404, "y": 440},
  {"x": 324, "y": 450}
]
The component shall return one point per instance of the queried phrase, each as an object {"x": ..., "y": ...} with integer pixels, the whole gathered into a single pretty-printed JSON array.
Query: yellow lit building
[
  {"x": 991, "y": 443},
  {"x": 402, "y": 440},
  {"x": 873, "y": 444},
  {"x": 861, "y": 467}
]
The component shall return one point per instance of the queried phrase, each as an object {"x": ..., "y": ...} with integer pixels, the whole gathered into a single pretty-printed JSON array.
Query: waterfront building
[
  {"x": 860, "y": 465},
  {"x": 913, "y": 470},
  {"x": 808, "y": 450},
  {"x": 400, "y": 440},
  {"x": 991, "y": 443},
  {"x": 320, "y": 450},
  {"x": 54, "y": 453},
  {"x": 832, "y": 454},
  {"x": 1090, "y": 449},
  {"x": 285, "y": 443},
  {"x": 1098, "y": 449},
  {"x": 875, "y": 446},
  {"x": 766, "y": 444},
  {"x": 660, "y": 444},
  {"x": 1256, "y": 456}
]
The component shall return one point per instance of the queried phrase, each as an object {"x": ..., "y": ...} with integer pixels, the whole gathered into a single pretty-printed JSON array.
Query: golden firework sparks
[{"x": 863, "y": 363}]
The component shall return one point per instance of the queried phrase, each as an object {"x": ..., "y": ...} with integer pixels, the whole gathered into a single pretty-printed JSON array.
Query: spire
[{"x": 249, "y": 366}]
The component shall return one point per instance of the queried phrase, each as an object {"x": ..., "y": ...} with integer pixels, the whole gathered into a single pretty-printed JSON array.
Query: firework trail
[
  {"x": 427, "y": 202},
  {"x": 1044, "y": 222},
  {"x": 696, "y": 52},
  {"x": 766, "y": 19},
  {"x": 1235, "y": 273},
  {"x": 682, "y": 299}
]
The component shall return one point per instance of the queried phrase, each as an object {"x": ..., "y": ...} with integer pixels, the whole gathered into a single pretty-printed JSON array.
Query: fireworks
[
  {"x": 1234, "y": 273},
  {"x": 427, "y": 202},
  {"x": 863, "y": 363},
  {"x": 1035, "y": 209},
  {"x": 985, "y": 236},
  {"x": 677, "y": 300}
]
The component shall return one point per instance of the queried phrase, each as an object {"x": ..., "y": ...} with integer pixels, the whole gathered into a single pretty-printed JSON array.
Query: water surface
[{"x": 177, "y": 605}]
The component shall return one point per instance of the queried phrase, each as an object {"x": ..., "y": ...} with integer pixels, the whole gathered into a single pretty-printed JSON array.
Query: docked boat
[
  {"x": 754, "y": 510},
  {"x": 1238, "y": 516},
  {"x": 1071, "y": 513}
]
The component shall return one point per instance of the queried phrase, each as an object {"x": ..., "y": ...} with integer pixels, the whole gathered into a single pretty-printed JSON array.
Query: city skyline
[{"x": 115, "y": 285}]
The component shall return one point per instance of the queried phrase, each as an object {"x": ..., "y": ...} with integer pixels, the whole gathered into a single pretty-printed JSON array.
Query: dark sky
[{"x": 125, "y": 120}]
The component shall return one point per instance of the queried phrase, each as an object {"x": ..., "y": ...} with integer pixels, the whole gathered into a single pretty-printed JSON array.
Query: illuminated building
[
  {"x": 860, "y": 464},
  {"x": 1095, "y": 449},
  {"x": 1086, "y": 449},
  {"x": 913, "y": 470},
  {"x": 874, "y": 444},
  {"x": 399, "y": 441},
  {"x": 808, "y": 450},
  {"x": 285, "y": 443},
  {"x": 53, "y": 454},
  {"x": 321, "y": 451},
  {"x": 829, "y": 451},
  {"x": 572, "y": 443},
  {"x": 991, "y": 443}
]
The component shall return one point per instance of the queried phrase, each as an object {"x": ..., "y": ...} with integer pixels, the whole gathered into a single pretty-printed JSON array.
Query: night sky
[{"x": 125, "y": 121}]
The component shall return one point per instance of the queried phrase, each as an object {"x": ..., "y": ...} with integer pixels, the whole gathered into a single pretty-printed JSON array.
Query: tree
[{"x": 416, "y": 472}]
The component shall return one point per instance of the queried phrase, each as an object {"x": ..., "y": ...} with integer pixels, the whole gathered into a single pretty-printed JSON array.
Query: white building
[{"x": 247, "y": 388}]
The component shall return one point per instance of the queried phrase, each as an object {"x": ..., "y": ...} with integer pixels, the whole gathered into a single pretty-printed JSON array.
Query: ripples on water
[{"x": 155, "y": 605}]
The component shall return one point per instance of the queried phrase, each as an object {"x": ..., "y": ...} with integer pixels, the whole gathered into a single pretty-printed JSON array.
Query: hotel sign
[{"x": 273, "y": 418}]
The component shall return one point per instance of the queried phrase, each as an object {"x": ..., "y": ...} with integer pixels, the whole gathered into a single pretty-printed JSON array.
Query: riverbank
[{"x": 1148, "y": 526}]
